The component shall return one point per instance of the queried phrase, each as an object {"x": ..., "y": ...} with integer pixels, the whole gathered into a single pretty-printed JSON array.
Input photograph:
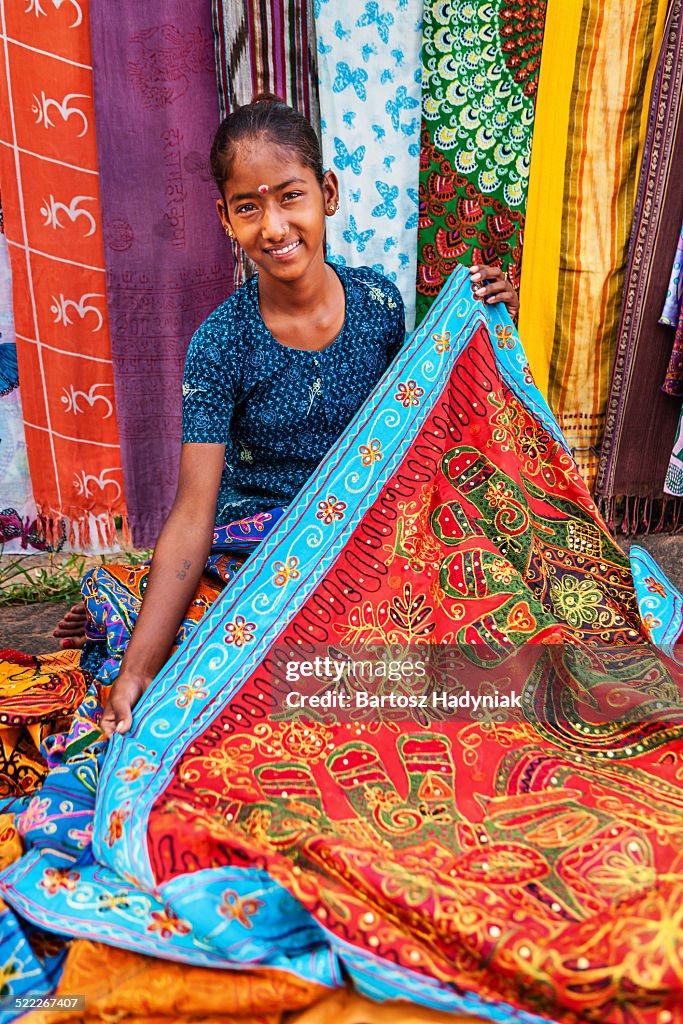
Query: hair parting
[{"x": 267, "y": 115}]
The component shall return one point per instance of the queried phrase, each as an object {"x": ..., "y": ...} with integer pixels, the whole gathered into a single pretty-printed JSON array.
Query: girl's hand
[
  {"x": 125, "y": 693},
  {"x": 491, "y": 285}
]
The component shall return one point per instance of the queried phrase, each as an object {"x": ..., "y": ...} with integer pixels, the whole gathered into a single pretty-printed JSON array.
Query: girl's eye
[
  {"x": 245, "y": 208},
  {"x": 291, "y": 195}
]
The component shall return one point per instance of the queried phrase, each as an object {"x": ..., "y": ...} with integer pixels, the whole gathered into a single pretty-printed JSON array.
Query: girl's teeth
[{"x": 288, "y": 248}]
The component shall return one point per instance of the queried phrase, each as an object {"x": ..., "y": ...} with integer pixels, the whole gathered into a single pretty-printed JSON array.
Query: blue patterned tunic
[{"x": 279, "y": 410}]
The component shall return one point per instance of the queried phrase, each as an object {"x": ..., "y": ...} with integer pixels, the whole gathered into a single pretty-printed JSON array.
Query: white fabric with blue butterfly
[{"x": 370, "y": 75}]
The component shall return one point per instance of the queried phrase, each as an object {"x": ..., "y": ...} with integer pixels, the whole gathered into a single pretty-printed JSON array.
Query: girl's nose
[{"x": 274, "y": 226}]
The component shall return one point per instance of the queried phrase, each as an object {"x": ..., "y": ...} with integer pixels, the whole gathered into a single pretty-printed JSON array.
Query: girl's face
[{"x": 280, "y": 229}]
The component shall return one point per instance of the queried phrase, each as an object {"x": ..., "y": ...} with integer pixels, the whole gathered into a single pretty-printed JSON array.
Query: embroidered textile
[
  {"x": 18, "y": 527},
  {"x": 168, "y": 262},
  {"x": 279, "y": 410},
  {"x": 480, "y": 72},
  {"x": 641, "y": 422},
  {"x": 136, "y": 989},
  {"x": 38, "y": 697},
  {"x": 672, "y": 316},
  {"x": 486, "y": 865},
  {"x": 596, "y": 69},
  {"x": 49, "y": 173},
  {"x": 369, "y": 60}
]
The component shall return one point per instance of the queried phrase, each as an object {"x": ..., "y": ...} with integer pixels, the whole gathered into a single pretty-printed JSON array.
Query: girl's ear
[
  {"x": 222, "y": 213},
  {"x": 330, "y": 188}
]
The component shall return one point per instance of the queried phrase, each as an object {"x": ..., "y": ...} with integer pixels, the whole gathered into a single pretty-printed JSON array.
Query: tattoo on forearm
[{"x": 182, "y": 573}]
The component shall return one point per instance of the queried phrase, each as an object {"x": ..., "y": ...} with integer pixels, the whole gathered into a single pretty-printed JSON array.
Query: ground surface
[{"x": 28, "y": 628}]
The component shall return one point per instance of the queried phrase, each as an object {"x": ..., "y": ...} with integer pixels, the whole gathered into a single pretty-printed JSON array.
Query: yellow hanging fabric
[{"x": 596, "y": 74}]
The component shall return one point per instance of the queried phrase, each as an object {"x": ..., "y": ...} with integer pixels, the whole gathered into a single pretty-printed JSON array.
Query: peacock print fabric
[{"x": 480, "y": 72}]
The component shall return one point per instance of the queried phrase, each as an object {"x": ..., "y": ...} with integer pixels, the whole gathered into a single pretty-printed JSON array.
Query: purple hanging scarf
[{"x": 168, "y": 264}]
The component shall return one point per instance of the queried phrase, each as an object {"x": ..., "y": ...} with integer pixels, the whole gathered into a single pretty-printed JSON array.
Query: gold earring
[
  {"x": 332, "y": 208},
  {"x": 230, "y": 233}
]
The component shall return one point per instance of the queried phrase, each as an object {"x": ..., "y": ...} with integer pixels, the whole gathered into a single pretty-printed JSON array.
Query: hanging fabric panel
[
  {"x": 266, "y": 48},
  {"x": 49, "y": 173},
  {"x": 480, "y": 72},
  {"x": 641, "y": 420},
  {"x": 17, "y": 510},
  {"x": 370, "y": 79},
  {"x": 168, "y": 262},
  {"x": 590, "y": 117}
]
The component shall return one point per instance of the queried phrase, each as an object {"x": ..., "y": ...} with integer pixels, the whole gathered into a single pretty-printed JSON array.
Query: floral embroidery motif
[
  {"x": 115, "y": 825},
  {"x": 371, "y": 452},
  {"x": 442, "y": 342},
  {"x": 34, "y": 815},
  {"x": 409, "y": 393},
  {"x": 534, "y": 443},
  {"x": 330, "y": 509},
  {"x": 502, "y": 572},
  {"x": 189, "y": 692},
  {"x": 577, "y": 601},
  {"x": 498, "y": 495},
  {"x": 112, "y": 901},
  {"x": 56, "y": 880},
  {"x": 236, "y": 908},
  {"x": 504, "y": 336},
  {"x": 167, "y": 923},
  {"x": 286, "y": 571},
  {"x": 239, "y": 631},
  {"x": 137, "y": 768},
  {"x": 655, "y": 587},
  {"x": 650, "y": 622}
]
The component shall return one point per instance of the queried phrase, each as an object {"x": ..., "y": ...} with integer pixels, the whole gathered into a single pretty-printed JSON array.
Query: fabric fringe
[
  {"x": 84, "y": 532},
  {"x": 628, "y": 515}
]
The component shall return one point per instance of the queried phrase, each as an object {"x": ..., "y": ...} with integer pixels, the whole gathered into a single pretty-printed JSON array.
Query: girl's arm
[{"x": 177, "y": 565}]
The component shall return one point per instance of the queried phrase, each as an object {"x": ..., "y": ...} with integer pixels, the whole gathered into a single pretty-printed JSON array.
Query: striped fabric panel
[
  {"x": 266, "y": 47},
  {"x": 574, "y": 284},
  {"x": 641, "y": 422}
]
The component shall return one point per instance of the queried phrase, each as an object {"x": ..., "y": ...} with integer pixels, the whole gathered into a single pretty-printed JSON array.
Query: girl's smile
[{"x": 287, "y": 250}]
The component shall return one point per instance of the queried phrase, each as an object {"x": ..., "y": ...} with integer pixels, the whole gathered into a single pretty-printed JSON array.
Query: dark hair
[{"x": 268, "y": 115}]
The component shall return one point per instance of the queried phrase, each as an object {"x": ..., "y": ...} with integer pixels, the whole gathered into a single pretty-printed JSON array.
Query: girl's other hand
[
  {"x": 125, "y": 693},
  {"x": 491, "y": 285}
]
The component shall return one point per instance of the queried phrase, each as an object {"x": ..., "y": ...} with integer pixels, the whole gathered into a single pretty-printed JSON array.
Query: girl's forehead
[{"x": 262, "y": 158}]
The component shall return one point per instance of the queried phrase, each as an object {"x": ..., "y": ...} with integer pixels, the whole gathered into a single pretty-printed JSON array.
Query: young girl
[{"x": 273, "y": 376}]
